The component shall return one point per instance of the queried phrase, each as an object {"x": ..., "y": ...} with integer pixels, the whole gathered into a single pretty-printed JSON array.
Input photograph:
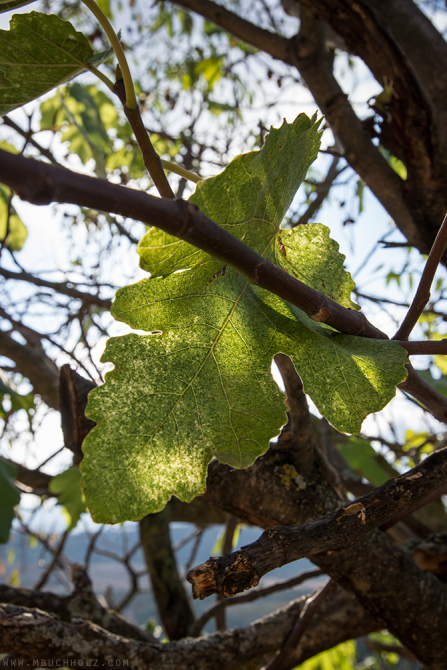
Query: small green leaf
[
  {"x": 13, "y": 232},
  {"x": 67, "y": 485},
  {"x": 38, "y": 53},
  {"x": 9, "y": 498},
  {"x": 362, "y": 458}
]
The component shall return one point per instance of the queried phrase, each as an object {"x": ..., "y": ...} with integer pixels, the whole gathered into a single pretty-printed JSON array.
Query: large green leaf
[
  {"x": 200, "y": 385},
  {"x": 9, "y": 498},
  {"x": 38, "y": 53}
]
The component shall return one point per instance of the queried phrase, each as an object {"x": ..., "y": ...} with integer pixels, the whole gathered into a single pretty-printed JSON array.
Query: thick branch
[
  {"x": 312, "y": 62},
  {"x": 299, "y": 416},
  {"x": 33, "y": 363},
  {"x": 251, "y": 597},
  {"x": 262, "y": 39},
  {"x": 41, "y": 184},
  {"x": 307, "y": 52},
  {"x": 81, "y": 604},
  {"x": 373, "y": 568},
  {"x": 243, "y": 569},
  {"x": 30, "y": 634},
  {"x": 311, "y": 607}
]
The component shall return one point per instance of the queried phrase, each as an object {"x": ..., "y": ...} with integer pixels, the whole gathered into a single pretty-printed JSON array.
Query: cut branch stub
[{"x": 206, "y": 580}]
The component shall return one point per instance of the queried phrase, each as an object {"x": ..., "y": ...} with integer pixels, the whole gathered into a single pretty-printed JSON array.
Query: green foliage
[
  {"x": 362, "y": 458},
  {"x": 341, "y": 657},
  {"x": 13, "y": 232},
  {"x": 17, "y": 401},
  {"x": 38, "y": 53},
  {"x": 67, "y": 485},
  {"x": 395, "y": 163},
  {"x": 91, "y": 125},
  {"x": 9, "y": 498},
  {"x": 200, "y": 385},
  {"x": 439, "y": 384}
]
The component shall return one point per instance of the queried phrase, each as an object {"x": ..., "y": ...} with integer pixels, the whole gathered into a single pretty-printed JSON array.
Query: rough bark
[
  {"x": 341, "y": 528},
  {"x": 81, "y": 604},
  {"x": 371, "y": 581},
  {"x": 409, "y": 126},
  {"x": 73, "y": 396},
  {"x": 31, "y": 634}
]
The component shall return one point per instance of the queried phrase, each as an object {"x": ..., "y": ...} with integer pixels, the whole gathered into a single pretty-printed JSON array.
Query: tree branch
[
  {"x": 33, "y": 363},
  {"x": 422, "y": 295},
  {"x": 41, "y": 184},
  {"x": 29, "y": 139},
  {"x": 425, "y": 347},
  {"x": 35, "y": 479},
  {"x": 311, "y": 607},
  {"x": 322, "y": 191},
  {"x": 264, "y": 40},
  {"x": 341, "y": 528},
  {"x": 251, "y": 597},
  {"x": 307, "y": 52},
  {"x": 299, "y": 415},
  {"x": 173, "y": 605},
  {"x": 31, "y": 634},
  {"x": 270, "y": 492},
  {"x": 81, "y": 604},
  {"x": 151, "y": 159}
]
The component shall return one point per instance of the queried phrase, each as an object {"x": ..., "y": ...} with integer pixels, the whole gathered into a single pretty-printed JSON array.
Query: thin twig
[
  {"x": 422, "y": 295},
  {"x": 312, "y": 605},
  {"x": 253, "y": 595},
  {"x": 30, "y": 140},
  {"x": 56, "y": 558}
]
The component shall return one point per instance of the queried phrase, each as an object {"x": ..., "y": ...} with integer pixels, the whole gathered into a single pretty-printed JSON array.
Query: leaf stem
[
  {"x": 105, "y": 80},
  {"x": 131, "y": 100},
  {"x": 183, "y": 172}
]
